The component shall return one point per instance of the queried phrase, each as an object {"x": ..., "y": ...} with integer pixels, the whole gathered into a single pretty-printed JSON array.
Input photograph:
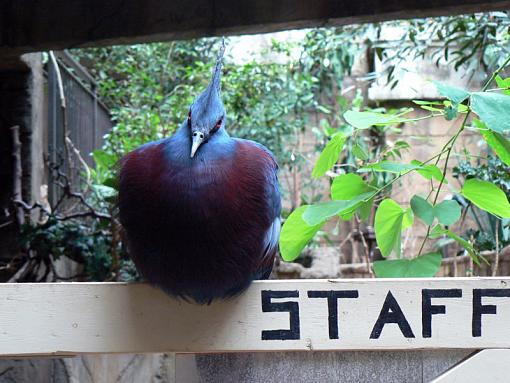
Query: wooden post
[{"x": 281, "y": 315}]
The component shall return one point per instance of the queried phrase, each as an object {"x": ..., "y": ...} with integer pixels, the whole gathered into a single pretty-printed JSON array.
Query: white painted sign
[{"x": 70, "y": 318}]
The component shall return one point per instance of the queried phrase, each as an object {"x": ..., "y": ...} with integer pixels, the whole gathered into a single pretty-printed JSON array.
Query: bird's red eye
[{"x": 217, "y": 126}]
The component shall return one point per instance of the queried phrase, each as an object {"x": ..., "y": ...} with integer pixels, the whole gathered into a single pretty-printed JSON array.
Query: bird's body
[{"x": 201, "y": 227}]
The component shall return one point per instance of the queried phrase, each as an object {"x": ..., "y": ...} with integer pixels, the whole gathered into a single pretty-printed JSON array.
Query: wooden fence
[
  {"x": 86, "y": 118},
  {"x": 418, "y": 316}
]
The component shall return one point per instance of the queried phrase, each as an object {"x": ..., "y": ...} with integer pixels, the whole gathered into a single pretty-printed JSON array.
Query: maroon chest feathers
[{"x": 229, "y": 188}]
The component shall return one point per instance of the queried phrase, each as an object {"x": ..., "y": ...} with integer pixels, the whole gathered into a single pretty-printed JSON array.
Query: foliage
[
  {"x": 493, "y": 170},
  {"x": 76, "y": 241},
  {"x": 60, "y": 239},
  {"x": 493, "y": 109},
  {"x": 296, "y": 234},
  {"x": 497, "y": 173},
  {"x": 474, "y": 41},
  {"x": 148, "y": 89},
  {"x": 486, "y": 196},
  {"x": 422, "y": 266},
  {"x": 81, "y": 227}
]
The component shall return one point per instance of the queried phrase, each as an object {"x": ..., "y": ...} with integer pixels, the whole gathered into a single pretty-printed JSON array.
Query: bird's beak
[{"x": 196, "y": 142}]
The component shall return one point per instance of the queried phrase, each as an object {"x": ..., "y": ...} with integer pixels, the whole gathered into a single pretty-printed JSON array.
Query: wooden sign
[{"x": 382, "y": 314}]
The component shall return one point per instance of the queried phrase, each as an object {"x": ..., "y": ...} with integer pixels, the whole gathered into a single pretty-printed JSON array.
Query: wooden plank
[
  {"x": 73, "y": 318},
  {"x": 35, "y": 25},
  {"x": 485, "y": 366},
  {"x": 415, "y": 366}
]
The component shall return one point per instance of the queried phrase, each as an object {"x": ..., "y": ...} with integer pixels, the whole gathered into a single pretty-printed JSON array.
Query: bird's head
[{"x": 207, "y": 114}]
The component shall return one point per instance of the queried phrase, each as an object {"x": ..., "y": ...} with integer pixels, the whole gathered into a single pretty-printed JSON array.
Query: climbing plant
[
  {"x": 488, "y": 233},
  {"x": 354, "y": 194}
]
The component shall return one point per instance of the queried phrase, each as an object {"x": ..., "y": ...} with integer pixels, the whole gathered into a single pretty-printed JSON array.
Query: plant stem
[
  {"x": 450, "y": 144},
  {"x": 495, "y": 73},
  {"x": 424, "y": 240},
  {"x": 452, "y": 141},
  {"x": 496, "y": 255},
  {"x": 400, "y": 175}
]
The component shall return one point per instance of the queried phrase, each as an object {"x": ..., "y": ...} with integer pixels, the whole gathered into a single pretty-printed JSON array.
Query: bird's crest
[
  {"x": 216, "y": 77},
  {"x": 207, "y": 113}
]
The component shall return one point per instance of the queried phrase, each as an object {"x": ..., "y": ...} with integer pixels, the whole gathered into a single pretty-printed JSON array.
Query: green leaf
[
  {"x": 493, "y": 109},
  {"x": 329, "y": 155},
  {"x": 431, "y": 108},
  {"x": 388, "y": 227},
  {"x": 504, "y": 84},
  {"x": 296, "y": 234},
  {"x": 365, "y": 209},
  {"x": 103, "y": 191},
  {"x": 321, "y": 212},
  {"x": 422, "y": 102},
  {"x": 426, "y": 265},
  {"x": 450, "y": 112},
  {"x": 452, "y": 93},
  {"x": 423, "y": 209},
  {"x": 389, "y": 167},
  {"x": 408, "y": 220},
  {"x": 364, "y": 120},
  {"x": 359, "y": 152},
  {"x": 438, "y": 231},
  {"x": 486, "y": 196},
  {"x": 349, "y": 186},
  {"x": 427, "y": 105},
  {"x": 112, "y": 182},
  {"x": 103, "y": 159},
  {"x": 323, "y": 109},
  {"x": 499, "y": 144},
  {"x": 429, "y": 171},
  {"x": 447, "y": 212}
]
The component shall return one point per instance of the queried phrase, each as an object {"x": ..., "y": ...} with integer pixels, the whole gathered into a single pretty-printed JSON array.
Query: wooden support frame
[
  {"x": 485, "y": 366},
  {"x": 281, "y": 315},
  {"x": 36, "y": 25}
]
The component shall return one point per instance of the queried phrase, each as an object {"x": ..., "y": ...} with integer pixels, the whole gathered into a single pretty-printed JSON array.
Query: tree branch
[{"x": 17, "y": 173}]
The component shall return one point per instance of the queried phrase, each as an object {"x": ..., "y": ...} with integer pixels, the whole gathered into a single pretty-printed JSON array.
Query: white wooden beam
[
  {"x": 74, "y": 318},
  {"x": 484, "y": 366}
]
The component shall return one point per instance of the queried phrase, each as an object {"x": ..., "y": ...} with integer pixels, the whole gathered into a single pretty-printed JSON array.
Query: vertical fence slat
[{"x": 87, "y": 119}]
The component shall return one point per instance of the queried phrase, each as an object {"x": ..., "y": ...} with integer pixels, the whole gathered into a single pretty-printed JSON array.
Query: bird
[{"x": 200, "y": 209}]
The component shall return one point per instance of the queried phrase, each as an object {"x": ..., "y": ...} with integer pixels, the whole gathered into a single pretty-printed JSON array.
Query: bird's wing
[
  {"x": 136, "y": 168},
  {"x": 271, "y": 240},
  {"x": 267, "y": 153},
  {"x": 274, "y": 207}
]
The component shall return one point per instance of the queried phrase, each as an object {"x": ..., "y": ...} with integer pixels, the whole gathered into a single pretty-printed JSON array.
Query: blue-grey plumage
[{"x": 201, "y": 209}]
